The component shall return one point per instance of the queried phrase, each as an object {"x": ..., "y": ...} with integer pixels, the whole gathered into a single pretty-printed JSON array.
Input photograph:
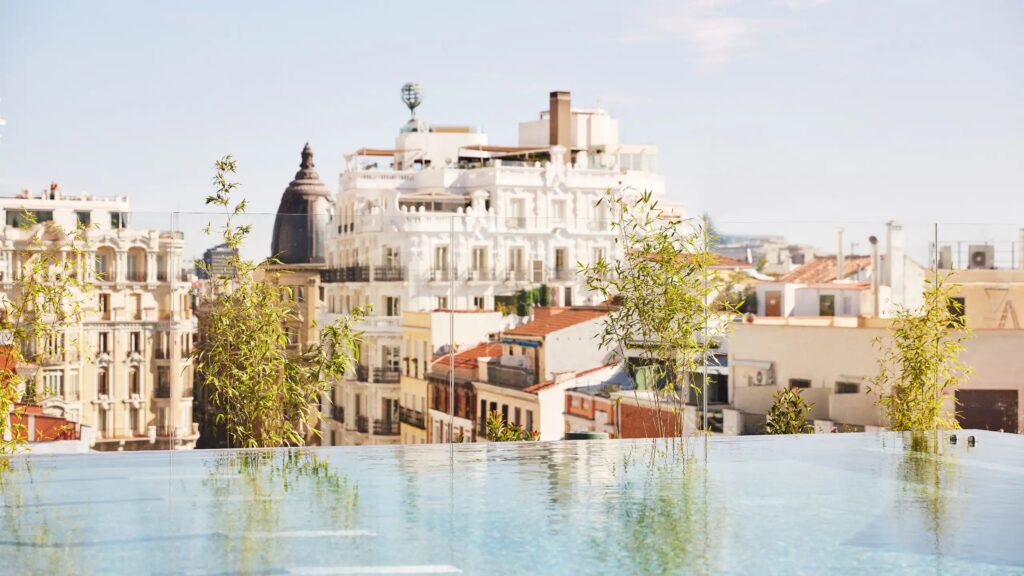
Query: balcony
[
  {"x": 443, "y": 275},
  {"x": 516, "y": 275},
  {"x": 345, "y": 274},
  {"x": 412, "y": 417},
  {"x": 338, "y": 413},
  {"x": 389, "y": 274},
  {"x": 510, "y": 376},
  {"x": 562, "y": 274},
  {"x": 362, "y": 424},
  {"x": 380, "y": 375},
  {"x": 515, "y": 223},
  {"x": 482, "y": 275},
  {"x": 385, "y": 427}
]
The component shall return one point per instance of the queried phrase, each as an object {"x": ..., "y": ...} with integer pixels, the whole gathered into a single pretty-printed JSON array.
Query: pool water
[{"x": 881, "y": 503}]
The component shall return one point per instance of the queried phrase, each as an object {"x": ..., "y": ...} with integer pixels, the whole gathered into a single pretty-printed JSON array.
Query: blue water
[{"x": 831, "y": 504}]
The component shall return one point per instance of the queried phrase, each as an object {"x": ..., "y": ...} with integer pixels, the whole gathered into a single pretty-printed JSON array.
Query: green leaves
[
  {"x": 919, "y": 369},
  {"x": 662, "y": 289},
  {"x": 788, "y": 414},
  {"x": 264, "y": 393},
  {"x": 500, "y": 431}
]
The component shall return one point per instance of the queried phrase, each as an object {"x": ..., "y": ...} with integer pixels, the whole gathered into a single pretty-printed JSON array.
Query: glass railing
[{"x": 524, "y": 303}]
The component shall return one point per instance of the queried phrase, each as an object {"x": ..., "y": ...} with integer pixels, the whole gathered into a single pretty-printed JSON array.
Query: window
[
  {"x": 135, "y": 341},
  {"x": 518, "y": 415},
  {"x": 118, "y": 220},
  {"x": 558, "y": 210},
  {"x": 598, "y": 255},
  {"x": 529, "y": 421},
  {"x": 442, "y": 302},
  {"x": 827, "y": 305},
  {"x": 301, "y": 294},
  {"x": 102, "y": 382},
  {"x": 104, "y": 305},
  {"x": 391, "y": 306},
  {"x": 478, "y": 302},
  {"x": 103, "y": 342},
  {"x": 71, "y": 385},
  {"x": 392, "y": 258},
  {"x": 441, "y": 257},
  {"x": 134, "y": 382},
  {"x": 515, "y": 259},
  {"x": 958, "y": 311},
  {"x": 482, "y": 416},
  {"x": 504, "y": 412},
  {"x": 53, "y": 382},
  {"x": 23, "y": 218},
  {"x": 137, "y": 306},
  {"x": 847, "y": 388},
  {"x": 392, "y": 358},
  {"x": 799, "y": 383},
  {"x": 161, "y": 268},
  {"x": 84, "y": 219},
  {"x": 479, "y": 259},
  {"x": 292, "y": 334},
  {"x": 163, "y": 382}
]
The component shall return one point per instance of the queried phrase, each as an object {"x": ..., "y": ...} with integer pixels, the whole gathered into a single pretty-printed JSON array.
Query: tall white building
[
  {"x": 124, "y": 368},
  {"x": 444, "y": 208}
]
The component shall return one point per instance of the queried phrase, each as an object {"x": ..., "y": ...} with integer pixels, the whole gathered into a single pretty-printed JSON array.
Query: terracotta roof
[
  {"x": 538, "y": 387},
  {"x": 548, "y": 319},
  {"x": 726, "y": 262},
  {"x": 823, "y": 269},
  {"x": 470, "y": 358}
]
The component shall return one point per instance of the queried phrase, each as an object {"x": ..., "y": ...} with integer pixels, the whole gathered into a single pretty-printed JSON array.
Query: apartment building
[
  {"x": 831, "y": 357},
  {"x": 426, "y": 336},
  {"x": 123, "y": 370},
  {"x": 446, "y": 220}
]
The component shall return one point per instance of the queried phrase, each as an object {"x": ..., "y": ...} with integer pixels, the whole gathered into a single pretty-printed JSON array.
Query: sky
[{"x": 771, "y": 115}]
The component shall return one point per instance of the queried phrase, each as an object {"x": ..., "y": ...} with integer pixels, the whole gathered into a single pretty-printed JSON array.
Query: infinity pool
[{"x": 831, "y": 504}]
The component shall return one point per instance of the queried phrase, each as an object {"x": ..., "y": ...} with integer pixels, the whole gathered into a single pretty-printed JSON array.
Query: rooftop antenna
[{"x": 412, "y": 95}]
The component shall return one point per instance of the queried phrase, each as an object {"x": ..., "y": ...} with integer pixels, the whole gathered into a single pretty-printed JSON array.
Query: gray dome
[{"x": 300, "y": 227}]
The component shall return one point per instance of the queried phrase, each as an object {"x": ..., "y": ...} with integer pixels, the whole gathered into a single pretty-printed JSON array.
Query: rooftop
[
  {"x": 823, "y": 269},
  {"x": 549, "y": 319},
  {"x": 855, "y": 503}
]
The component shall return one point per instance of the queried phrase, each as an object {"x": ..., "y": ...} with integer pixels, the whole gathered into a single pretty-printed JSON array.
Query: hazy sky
[{"x": 786, "y": 110}]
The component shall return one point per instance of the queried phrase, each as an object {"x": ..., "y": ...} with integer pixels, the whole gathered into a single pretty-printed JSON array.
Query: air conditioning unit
[
  {"x": 981, "y": 257},
  {"x": 945, "y": 257},
  {"x": 763, "y": 377}
]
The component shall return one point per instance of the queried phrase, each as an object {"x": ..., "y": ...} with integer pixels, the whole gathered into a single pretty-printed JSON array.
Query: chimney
[
  {"x": 559, "y": 117},
  {"x": 874, "y": 275},
  {"x": 840, "y": 259},
  {"x": 895, "y": 248}
]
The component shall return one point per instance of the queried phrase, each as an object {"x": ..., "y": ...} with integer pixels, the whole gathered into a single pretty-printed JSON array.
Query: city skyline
[{"x": 762, "y": 112}]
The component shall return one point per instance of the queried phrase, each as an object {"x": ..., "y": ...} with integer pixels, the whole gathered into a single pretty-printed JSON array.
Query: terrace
[{"x": 851, "y": 503}]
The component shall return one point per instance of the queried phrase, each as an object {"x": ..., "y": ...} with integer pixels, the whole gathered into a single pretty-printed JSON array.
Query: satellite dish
[{"x": 412, "y": 95}]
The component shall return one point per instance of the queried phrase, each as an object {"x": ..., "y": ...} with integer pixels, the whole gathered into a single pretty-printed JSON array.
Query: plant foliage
[
  {"x": 500, "y": 431},
  {"x": 919, "y": 369},
  {"x": 663, "y": 291},
  {"x": 788, "y": 414},
  {"x": 263, "y": 394}
]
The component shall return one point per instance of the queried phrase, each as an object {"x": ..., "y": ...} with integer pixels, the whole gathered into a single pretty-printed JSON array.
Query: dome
[{"x": 300, "y": 227}]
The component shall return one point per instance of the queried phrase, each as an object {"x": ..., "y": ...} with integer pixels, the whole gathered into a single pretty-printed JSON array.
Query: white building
[
  {"x": 124, "y": 369},
  {"x": 445, "y": 219}
]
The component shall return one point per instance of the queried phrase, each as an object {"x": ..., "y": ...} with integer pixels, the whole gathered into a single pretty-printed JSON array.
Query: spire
[{"x": 307, "y": 157}]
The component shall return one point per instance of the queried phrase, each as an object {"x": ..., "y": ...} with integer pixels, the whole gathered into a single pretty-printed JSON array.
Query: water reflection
[
  {"x": 26, "y": 531},
  {"x": 662, "y": 517},
  {"x": 930, "y": 480},
  {"x": 261, "y": 500}
]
